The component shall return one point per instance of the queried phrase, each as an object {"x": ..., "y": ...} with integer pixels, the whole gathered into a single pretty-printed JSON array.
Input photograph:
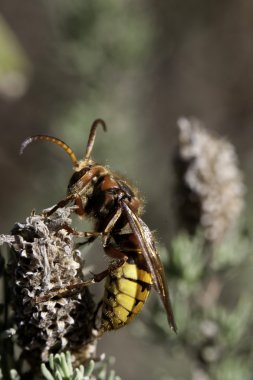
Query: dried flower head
[
  {"x": 43, "y": 258},
  {"x": 210, "y": 184}
]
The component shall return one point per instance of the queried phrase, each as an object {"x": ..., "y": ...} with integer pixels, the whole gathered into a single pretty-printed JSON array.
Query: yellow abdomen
[{"x": 126, "y": 290}]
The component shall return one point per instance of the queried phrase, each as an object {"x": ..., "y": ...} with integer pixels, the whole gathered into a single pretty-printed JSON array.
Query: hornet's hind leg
[{"x": 68, "y": 290}]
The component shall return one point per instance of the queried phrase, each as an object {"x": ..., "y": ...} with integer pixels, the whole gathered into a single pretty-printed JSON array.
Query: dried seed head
[
  {"x": 43, "y": 258},
  {"x": 210, "y": 184}
]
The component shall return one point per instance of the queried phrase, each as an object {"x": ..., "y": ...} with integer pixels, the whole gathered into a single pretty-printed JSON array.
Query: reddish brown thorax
[{"x": 99, "y": 194}]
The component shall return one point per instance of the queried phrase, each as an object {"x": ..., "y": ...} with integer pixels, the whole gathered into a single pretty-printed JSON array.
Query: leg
[
  {"x": 88, "y": 241},
  {"x": 73, "y": 288},
  {"x": 109, "y": 227},
  {"x": 69, "y": 290},
  {"x": 90, "y": 235},
  {"x": 72, "y": 197},
  {"x": 60, "y": 204},
  {"x": 115, "y": 253},
  {"x": 64, "y": 292}
]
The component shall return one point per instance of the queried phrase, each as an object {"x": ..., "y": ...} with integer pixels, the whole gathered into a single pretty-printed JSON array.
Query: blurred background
[{"x": 139, "y": 66}]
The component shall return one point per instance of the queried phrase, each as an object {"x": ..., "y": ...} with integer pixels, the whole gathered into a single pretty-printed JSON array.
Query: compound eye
[{"x": 77, "y": 175}]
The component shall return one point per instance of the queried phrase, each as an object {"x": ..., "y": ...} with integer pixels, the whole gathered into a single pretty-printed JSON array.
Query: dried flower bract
[{"x": 43, "y": 258}]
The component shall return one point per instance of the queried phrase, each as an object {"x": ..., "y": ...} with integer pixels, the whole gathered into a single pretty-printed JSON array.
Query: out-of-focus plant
[
  {"x": 213, "y": 314},
  {"x": 210, "y": 187}
]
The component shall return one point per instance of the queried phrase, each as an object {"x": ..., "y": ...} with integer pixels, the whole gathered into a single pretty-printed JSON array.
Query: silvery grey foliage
[
  {"x": 209, "y": 182},
  {"x": 60, "y": 368}
]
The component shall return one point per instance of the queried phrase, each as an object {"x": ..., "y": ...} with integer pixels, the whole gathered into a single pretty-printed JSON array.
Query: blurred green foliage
[
  {"x": 212, "y": 331},
  {"x": 102, "y": 36},
  {"x": 13, "y": 58}
]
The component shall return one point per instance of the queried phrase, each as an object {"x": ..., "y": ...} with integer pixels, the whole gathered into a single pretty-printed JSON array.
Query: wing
[{"x": 152, "y": 258}]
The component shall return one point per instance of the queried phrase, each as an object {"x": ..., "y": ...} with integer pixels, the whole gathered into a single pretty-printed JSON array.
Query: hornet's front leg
[{"x": 76, "y": 198}]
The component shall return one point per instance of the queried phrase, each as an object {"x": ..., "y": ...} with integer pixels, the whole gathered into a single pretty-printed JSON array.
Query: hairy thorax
[{"x": 100, "y": 192}]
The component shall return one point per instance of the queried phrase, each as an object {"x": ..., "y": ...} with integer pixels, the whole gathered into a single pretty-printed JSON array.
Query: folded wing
[{"x": 153, "y": 261}]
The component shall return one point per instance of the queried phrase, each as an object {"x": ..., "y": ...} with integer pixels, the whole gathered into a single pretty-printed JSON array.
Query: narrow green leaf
[
  {"x": 51, "y": 361},
  {"x": 89, "y": 368},
  {"x": 45, "y": 372}
]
